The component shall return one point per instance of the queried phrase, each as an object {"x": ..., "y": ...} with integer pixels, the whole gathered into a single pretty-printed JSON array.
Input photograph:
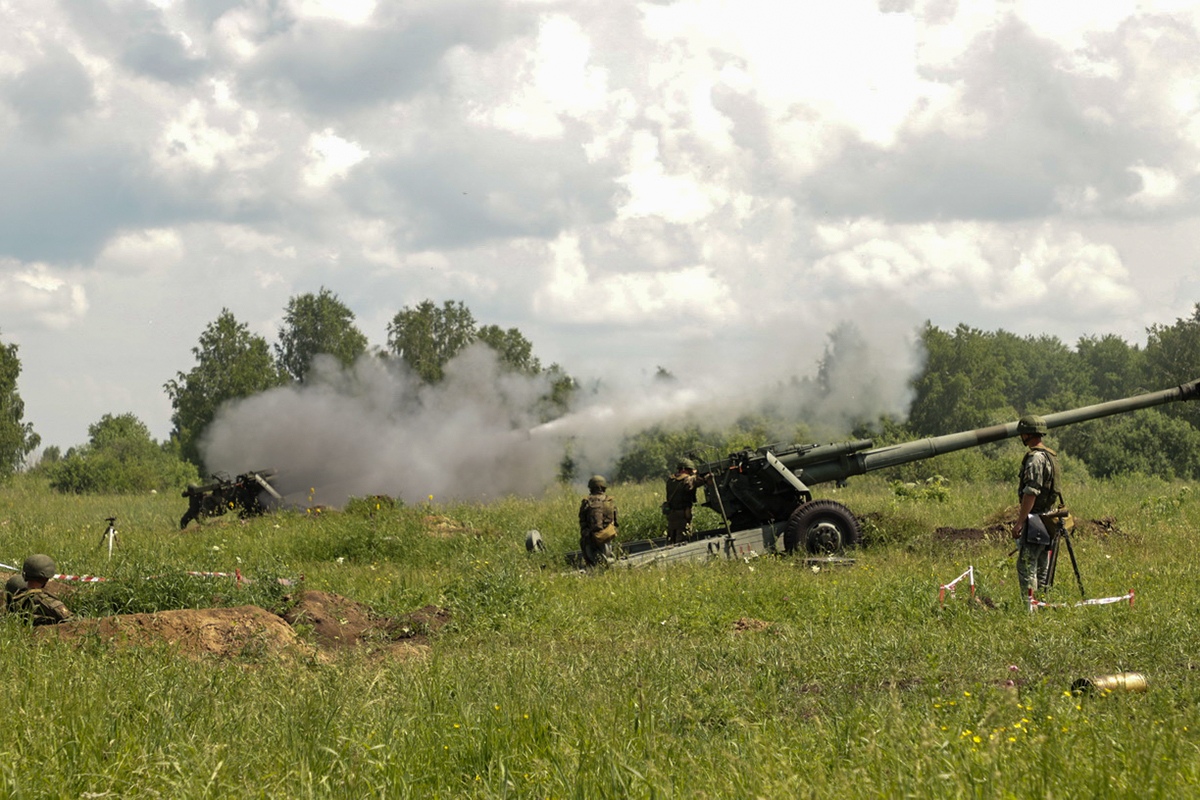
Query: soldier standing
[
  {"x": 33, "y": 603},
  {"x": 597, "y": 522},
  {"x": 194, "y": 494},
  {"x": 681, "y": 496},
  {"x": 1038, "y": 493}
]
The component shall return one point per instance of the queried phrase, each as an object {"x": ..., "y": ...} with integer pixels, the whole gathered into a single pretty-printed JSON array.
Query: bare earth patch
[
  {"x": 241, "y": 632},
  {"x": 338, "y": 623},
  {"x": 746, "y": 624},
  {"x": 317, "y": 625}
]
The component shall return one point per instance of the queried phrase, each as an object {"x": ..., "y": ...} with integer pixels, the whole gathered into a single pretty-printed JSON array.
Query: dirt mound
[
  {"x": 947, "y": 534},
  {"x": 317, "y": 624},
  {"x": 242, "y": 632},
  {"x": 1105, "y": 526},
  {"x": 335, "y": 621},
  {"x": 338, "y": 623}
]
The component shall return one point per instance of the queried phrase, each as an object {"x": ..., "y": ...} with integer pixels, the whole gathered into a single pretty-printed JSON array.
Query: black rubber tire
[{"x": 821, "y": 527}]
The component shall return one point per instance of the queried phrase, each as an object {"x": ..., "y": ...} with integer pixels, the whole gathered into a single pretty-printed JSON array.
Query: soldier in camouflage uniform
[
  {"x": 681, "y": 496},
  {"x": 15, "y": 584},
  {"x": 597, "y": 523},
  {"x": 1038, "y": 493},
  {"x": 34, "y": 604}
]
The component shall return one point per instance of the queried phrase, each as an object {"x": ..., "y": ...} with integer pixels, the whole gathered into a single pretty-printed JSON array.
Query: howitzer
[
  {"x": 769, "y": 487},
  {"x": 221, "y": 494},
  {"x": 764, "y": 495}
]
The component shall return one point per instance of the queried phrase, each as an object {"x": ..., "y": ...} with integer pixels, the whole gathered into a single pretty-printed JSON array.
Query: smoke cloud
[{"x": 476, "y": 436}]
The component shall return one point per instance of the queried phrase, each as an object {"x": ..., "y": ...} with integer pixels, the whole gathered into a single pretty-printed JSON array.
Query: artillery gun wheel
[{"x": 821, "y": 527}]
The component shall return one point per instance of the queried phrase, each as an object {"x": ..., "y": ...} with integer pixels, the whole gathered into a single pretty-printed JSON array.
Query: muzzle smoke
[{"x": 476, "y": 436}]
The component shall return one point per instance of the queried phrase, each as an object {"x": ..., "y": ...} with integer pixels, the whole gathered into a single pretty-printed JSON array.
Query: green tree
[
  {"x": 963, "y": 385},
  {"x": 17, "y": 438},
  {"x": 231, "y": 363},
  {"x": 314, "y": 324},
  {"x": 1147, "y": 442},
  {"x": 120, "y": 457},
  {"x": 512, "y": 348},
  {"x": 1116, "y": 369},
  {"x": 426, "y": 337},
  {"x": 1173, "y": 358}
]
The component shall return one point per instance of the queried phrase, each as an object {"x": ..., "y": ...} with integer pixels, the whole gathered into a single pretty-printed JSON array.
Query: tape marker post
[{"x": 969, "y": 574}]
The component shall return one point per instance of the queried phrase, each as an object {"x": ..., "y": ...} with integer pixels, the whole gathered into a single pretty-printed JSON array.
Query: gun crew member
[
  {"x": 1038, "y": 493},
  {"x": 597, "y": 523},
  {"x": 33, "y": 603},
  {"x": 681, "y": 496}
]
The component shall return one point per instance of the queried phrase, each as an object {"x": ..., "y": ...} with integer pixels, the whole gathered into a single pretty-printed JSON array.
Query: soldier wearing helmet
[
  {"x": 33, "y": 603},
  {"x": 681, "y": 496},
  {"x": 1038, "y": 493},
  {"x": 597, "y": 523},
  {"x": 195, "y": 497},
  {"x": 15, "y": 584}
]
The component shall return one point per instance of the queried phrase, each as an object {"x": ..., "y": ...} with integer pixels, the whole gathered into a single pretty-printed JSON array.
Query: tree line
[{"x": 971, "y": 378}]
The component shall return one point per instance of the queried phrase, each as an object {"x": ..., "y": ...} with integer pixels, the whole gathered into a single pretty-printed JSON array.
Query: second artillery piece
[
  {"x": 222, "y": 493},
  {"x": 764, "y": 495}
]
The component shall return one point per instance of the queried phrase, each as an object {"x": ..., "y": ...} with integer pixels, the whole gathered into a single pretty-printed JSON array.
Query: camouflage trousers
[
  {"x": 1033, "y": 564},
  {"x": 679, "y": 525},
  {"x": 595, "y": 553}
]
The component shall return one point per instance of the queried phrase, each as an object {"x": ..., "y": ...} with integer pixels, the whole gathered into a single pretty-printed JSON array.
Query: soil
[
  {"x": 316, "y": 625},
  {"x": 247, "y": 632},
  {"x": 1000, "y": 530},
  {"x": 747, "y": 624}
]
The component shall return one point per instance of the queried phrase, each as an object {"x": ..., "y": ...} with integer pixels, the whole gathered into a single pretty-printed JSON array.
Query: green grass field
[{"x": 759, "y": 678}]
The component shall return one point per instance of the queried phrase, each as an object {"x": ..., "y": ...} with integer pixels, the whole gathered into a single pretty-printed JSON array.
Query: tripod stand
[
  {"x": 1058, "y": 536},
  {"x": 110, "y": 535}
]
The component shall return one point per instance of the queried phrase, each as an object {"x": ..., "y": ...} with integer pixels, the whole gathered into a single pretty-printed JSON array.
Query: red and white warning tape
[
  {"x": 236, "y": 575},
  {"x": 1096, "y": 601},
  {"x": 79, "y": 578},
  {"x": 949, "y": 587}
]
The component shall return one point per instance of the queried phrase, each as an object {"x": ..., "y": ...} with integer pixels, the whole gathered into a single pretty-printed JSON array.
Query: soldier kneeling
[{"x": 33, "y": 603}]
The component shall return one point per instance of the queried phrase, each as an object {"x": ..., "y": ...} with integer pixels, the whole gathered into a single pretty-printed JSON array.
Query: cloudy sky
[{"x": 707, "y": 186}]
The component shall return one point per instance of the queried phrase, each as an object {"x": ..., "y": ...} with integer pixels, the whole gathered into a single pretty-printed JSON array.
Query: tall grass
[{"x": 758, "y": 678}]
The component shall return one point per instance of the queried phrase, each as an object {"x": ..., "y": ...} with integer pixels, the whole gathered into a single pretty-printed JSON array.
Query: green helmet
[
  {"x": 1031, "y": 423},
  {"x": 39, "y": 567},
  {"x": 596, "y": 483},
  {"x": 15, "y": 584},
  {"x": 685, "y": 463}
]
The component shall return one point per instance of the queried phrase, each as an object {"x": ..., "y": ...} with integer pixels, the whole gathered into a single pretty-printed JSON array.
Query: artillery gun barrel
[{"x": 926, "y": 448}]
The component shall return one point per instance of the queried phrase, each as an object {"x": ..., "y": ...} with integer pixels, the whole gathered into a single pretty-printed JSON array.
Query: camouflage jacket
[
  {"x": 1039, "y": 476},
  {"x": 681, "y": 490},
  {"x": 596, "y": 512},
  {"x": 39, "y": 608}
]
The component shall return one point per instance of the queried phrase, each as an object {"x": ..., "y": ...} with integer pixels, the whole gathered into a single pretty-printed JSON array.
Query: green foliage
[
  {"x": 372, "y": 505},
  {"x": 653, "y": 453},
  {"x": 1173, "y": 357},
  {"x": 17, "y": 438},
  {"x": 1162, "y": 507},
  {"x": 231, "y": 363},
  {"x": 511, "y": 347},
  {"x": 1147, "y": 442},
  {"x": 314, "y": 325},
  {"x": 427, "y": 337},
  {"x": 934, "y": 488},
  {"x": 120, "y": 457},
  {"x": 488, "y": 594},
  {"x": 1116, "y": 368}
]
